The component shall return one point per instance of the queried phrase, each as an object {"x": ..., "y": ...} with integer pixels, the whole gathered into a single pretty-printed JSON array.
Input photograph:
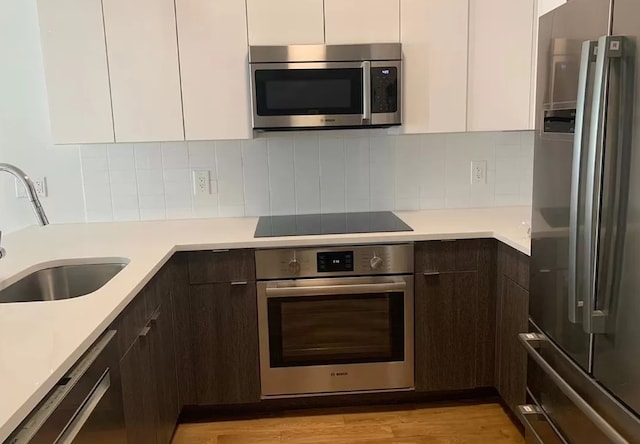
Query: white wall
[
  {"x": 300, "y": 173},
  {"x": 25, "y": 136}
]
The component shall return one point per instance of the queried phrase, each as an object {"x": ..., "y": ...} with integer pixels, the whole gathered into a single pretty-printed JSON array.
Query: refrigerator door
[
  {"x": 616, "y": 309},
  {"x": 566, "y": 66}
]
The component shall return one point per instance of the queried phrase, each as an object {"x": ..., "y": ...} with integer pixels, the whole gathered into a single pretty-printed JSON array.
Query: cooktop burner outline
[{"x": 331, "y": 223}]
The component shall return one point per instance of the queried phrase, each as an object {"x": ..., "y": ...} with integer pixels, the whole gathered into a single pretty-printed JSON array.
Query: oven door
[
  {"x": 336, "y": 335},
  {"x": 333, "y": 94}
]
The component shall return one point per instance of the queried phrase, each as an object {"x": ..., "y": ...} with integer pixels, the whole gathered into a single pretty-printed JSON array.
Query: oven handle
[{"x": 336, "y": 289}]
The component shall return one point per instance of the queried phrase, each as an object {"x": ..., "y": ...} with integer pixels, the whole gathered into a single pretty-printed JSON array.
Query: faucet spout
[{"x": 26, "y": 181}]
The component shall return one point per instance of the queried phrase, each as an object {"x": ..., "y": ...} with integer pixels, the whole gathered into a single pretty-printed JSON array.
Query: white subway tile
[
  {"x": 94, "y": 158},
  {"x": 202, "y": 155},
  {"x": 150, "y": 182},
  {"x": 332, "y": 175},
  {"x": 355, "y": 205},
  {"x": 152, "y": 214},
  {"x": 231, "y": 211},
  {"x": 382, "y": 171},
  {"x": 175, "y": 155},
  {"x": 205, "y": 212},
  {"x": 382, "y": 203},
  {"x": 255, "y": 161},
  {"x": 408, "y": 204},
  {"x": 179, "y": 213},
  {"x": 358, "y": 166},
  {"x": 432, "y": 203},
  {"x": 407, "y": 163},
  {"x": 281, "y": 175},
  {"x": 307, "y": 174},
  {"x": 229, "y": 173},
  {"x": 121, "y": 156},
  {"x": 432, "y": 163},
  {"x": 125, "y": 207},
  {"x": 178, "y": 195},
  {"x": 148, "y": 156},
  {"x": 177, "y": 175},
  {"x": 507, "y": 200}
]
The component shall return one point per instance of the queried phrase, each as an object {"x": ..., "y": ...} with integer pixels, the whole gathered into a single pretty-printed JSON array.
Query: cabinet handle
[
  {"x": 220, "y": 251},
  {"x": 239, "y": 283},
  {"x": 144, "y": 332},
  {"x": 431, "y": 273},
  {"x": 154, "y": 317}
]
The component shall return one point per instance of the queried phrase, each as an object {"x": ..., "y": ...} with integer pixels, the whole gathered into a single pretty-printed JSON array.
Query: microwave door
[{"x": 305, "y": 95}]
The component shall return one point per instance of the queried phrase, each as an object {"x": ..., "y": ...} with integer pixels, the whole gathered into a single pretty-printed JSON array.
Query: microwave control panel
[{"x": 384, "y": 90}]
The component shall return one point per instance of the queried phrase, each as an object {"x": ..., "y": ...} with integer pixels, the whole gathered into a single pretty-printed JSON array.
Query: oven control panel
[
  {"x": 363, "y": 260},
  {"x": 330, "y": 261}
]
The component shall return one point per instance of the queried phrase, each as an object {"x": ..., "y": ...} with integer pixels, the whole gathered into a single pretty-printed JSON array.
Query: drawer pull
[
  {"x": 144, "y": 332},
  {"x": 239, "y": 283},
  {"x": 431, "y": 273},
  {"x": 220, "y": 251}
]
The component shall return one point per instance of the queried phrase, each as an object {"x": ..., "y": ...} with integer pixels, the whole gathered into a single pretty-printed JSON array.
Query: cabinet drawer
[
  {"x": 221, "y": 266},
  {"x": 514, "y": 265},
  {"x": 130, "y": 322},
  {"x": 448, "y": 256}
]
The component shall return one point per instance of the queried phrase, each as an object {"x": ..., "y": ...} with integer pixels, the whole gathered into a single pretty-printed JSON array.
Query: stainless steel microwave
[{"x": 325, "y": 86}]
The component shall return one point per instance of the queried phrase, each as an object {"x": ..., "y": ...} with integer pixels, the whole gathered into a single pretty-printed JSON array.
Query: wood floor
[{"x": 416, "y": 424}]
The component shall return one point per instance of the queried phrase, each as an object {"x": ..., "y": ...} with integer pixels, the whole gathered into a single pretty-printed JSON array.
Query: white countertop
[{"x": 40, "y": 341}]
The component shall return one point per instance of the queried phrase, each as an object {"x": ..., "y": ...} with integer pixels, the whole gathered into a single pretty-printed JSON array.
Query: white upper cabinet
[
  {"x": 434, "y": 42},
  {"x": 545, "y": 6},
  {"x": 212, "y": 35},
  {"x": 143, "y": 65},
  {"x": 75, "y": 63},
  {"x": 361, "y": 21},
  {"x": 500, "y": 64},
  {"x": 285, "y": 22}
]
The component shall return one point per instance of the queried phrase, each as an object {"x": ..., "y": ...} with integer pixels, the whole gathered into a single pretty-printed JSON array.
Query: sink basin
[{"x": 64, "y": 282}]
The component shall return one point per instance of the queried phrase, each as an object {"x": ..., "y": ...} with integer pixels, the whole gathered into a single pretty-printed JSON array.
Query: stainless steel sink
[{"x": 64, "y": 282}]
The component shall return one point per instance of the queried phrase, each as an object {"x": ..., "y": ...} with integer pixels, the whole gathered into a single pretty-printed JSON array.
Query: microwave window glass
[{"x": 308, "y": 94}]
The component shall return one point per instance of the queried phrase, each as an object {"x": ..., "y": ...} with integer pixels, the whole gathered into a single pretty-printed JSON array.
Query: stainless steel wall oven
[{"x": 335, "y": 320}]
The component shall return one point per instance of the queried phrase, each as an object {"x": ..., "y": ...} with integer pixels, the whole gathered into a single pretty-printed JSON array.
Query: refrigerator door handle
[
  {"x": 605, "y": 138},
  {"x": 587, "y": 58},
  {"x": 531, "y": 343}
]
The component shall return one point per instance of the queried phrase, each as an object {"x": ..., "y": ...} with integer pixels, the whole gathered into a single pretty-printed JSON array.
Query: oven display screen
[{"x": 335, "y": 261}]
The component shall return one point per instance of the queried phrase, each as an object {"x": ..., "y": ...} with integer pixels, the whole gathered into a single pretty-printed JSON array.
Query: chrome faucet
[{"x": 26, "y": 181}]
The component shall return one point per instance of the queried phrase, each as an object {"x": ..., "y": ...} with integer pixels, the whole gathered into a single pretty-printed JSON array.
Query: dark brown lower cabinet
[
  {"x": 148, "y": 368},
  {"x": 513, "y": 308},
  {"x": 139, "y": 393},
  {"x": 455, "y": 314},
  {"x": 446, "y": 324},
  {"x": 224, "y": 332}
]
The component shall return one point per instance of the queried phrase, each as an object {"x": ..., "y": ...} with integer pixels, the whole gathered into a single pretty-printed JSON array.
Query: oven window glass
[
  {"x": 336, "y": 329},
  {"x": 290, "y": 92}
]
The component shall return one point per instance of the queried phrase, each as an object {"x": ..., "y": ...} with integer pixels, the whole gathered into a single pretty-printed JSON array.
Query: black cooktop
[{"x": 335, "y": 223}]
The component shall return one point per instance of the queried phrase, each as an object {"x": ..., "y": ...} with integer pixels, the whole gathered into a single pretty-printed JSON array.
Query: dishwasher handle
[{"x": 88, "y": 407}]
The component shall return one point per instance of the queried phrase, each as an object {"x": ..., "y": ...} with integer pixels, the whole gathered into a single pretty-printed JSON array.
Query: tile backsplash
[{"x": 297, "y": 173}]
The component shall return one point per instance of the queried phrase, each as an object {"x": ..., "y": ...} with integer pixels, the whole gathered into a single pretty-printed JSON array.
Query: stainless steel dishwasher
[{"x": 85, "y": 407}]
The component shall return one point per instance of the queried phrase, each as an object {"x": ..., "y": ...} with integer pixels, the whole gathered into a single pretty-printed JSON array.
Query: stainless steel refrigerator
[{"x": 583, "y": 375}]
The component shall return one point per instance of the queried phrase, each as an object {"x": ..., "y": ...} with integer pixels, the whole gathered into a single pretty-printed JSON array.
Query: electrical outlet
[
  {"x": 40, "y": 184},
  {"x": 201, "y": 183},
  {"x": 478, "y": 172}
]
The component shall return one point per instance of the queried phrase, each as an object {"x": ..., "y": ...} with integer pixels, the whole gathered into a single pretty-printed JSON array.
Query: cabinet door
[
  {"x": 75, "y": 63},
  {"x": 361, "y": 21},
  {"x": 163, "y": 356},
  {"x": 500, "y": 64},
  {"x": 139, "y": 393},
  {"x": 224, "y": 325},
  {"x": 143, "y": 66},
  {"x": 285, "y": 22},
  {"x": 212, "y": 36},
  {"x": 445, "y": 330},
  {"x": 513, "y": 306},
  {"x": 434, "y": 36}
]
